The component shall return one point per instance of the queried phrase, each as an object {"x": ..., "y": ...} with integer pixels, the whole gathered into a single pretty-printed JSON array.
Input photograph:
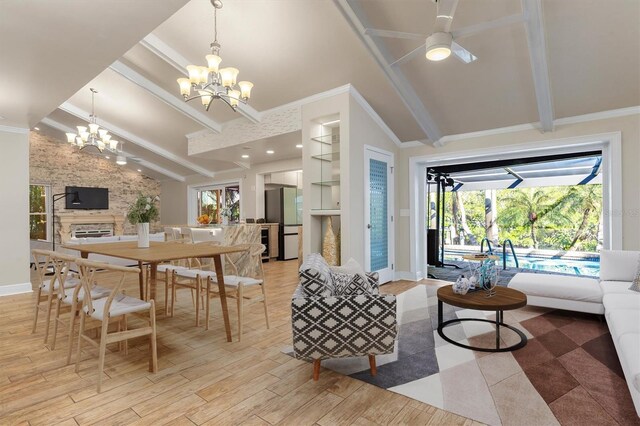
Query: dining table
[{"x": 163, "y": 251}]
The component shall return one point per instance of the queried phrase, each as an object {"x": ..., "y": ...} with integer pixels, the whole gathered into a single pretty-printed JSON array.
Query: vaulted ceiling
[{"x": 567, "y": 58}]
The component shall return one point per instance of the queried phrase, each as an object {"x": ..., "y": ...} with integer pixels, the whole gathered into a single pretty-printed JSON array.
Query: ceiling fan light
[{"x": 438, "y": 46}]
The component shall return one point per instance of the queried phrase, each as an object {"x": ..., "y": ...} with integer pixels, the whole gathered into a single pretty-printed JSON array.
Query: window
[
  {"x": 211, "y": 200},
  {"x": 39, "y": 212}
]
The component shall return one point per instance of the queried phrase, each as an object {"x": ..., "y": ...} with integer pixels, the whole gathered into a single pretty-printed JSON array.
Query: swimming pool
[{"x": 588, "y": 267}]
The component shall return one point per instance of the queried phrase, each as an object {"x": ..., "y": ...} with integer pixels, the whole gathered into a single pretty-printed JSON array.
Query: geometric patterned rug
[{"x": 568, "y": 373}]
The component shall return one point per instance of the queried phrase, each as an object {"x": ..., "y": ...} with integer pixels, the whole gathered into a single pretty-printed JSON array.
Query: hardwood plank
[
  {"x": 124, "y": 417},
  {"x": 243, "y": 410},
  {"x": 313, "y": 410}
]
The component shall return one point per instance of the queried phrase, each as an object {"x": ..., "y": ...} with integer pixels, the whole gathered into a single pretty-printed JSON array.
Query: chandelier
[
  {"x": 94, "y": 136},
  {"x": 212, "y": 82}
]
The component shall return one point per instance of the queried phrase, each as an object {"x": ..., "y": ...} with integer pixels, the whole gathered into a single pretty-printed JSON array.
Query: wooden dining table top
[{"x": 158, "y": 251}]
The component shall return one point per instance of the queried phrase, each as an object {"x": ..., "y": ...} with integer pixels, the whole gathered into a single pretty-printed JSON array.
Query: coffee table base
[{"x": 499, "y": 322}]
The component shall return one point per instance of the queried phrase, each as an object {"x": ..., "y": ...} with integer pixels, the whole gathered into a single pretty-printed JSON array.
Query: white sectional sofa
[
  {"x": 99, "y": 240},
  {"x": 610, "y": 295}
]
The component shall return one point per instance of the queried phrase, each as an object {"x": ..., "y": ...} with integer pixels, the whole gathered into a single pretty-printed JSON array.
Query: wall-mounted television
[{"x": 90, "y": 198}]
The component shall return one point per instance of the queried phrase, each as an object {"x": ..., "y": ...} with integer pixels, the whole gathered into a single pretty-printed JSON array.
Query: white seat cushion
[
  {"x": 234, "y": 281},
  {"x": 615, "y": 301},
  {"x": 97, "y": 292},
  {"x": 558, "y": 287},
  {"x": 629, "y": 345},
  {"x": 121, "y": 305},
  {"x": 191, "y": 273},
  {"x": 164, "y": 268},
  {"x": 609, "y": 287},
  {"x": 623, "y": 321},
  {"x": 68, "y": 283}
]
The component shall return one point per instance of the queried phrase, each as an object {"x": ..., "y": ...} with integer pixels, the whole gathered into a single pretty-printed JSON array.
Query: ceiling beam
[
  {"x": 149, "y": 165},
  {"x": 358, "y": 22},
  {"x": 137, "y": 140},
  {"x": 179, "y": 62},
  {"x": 165, "y": 96},
  {"x": 534, "y": 27}
]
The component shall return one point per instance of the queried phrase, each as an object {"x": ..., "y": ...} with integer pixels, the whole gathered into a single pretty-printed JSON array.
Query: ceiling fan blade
[
  {"x": 483, "y": 26},
  {"x": 463, "y": 54},
  {"x": 393, "y": 34},
  {"x": 409, "y": 55},
  {"x": 445, "y": 11}
]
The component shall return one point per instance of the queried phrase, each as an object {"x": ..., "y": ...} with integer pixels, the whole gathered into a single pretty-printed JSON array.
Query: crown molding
[{"x": 10, "y": 129}]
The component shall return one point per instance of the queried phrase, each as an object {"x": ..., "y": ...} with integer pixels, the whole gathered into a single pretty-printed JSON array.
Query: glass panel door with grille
[{"x": 379, "y": 213}]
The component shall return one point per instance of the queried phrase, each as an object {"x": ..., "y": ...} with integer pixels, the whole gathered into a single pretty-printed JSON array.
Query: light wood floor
[{"x": 202, "y": 379}]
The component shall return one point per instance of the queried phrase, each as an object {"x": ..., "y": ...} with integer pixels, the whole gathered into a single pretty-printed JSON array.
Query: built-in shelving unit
[{"x": 323, "y": 152}]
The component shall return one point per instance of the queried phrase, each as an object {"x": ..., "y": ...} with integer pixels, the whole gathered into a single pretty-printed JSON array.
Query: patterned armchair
[{"x": 333, "y": 319}]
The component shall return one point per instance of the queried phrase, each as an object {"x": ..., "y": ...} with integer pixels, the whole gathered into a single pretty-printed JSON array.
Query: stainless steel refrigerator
[{"x": 284, "y": 207}]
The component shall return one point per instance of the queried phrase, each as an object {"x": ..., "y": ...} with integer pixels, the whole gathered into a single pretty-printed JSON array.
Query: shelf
[
  {"x": 320, "y": 212},
  {"x": 329, "y": 156},
  {"x": 327, "y": 139},
  {"x": 327, "y": 183}
]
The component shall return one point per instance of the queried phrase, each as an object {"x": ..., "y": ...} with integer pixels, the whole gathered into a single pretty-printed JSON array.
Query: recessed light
[
  {"x": 245, "y": 155},
  {"x": 140, "y": 170},
  {"x": 107, "y": 157},
  {"x": 270, "y": 151},
  {"x": 36, "y": 128},
  {"x": 299, "y": 145}
]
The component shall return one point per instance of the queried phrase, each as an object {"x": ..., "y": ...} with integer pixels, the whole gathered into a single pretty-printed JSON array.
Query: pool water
[{"x": 586, "y": 267}]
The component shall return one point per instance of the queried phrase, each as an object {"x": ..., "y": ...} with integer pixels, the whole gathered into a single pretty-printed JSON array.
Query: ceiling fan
[{"x": 440, "y": 44}]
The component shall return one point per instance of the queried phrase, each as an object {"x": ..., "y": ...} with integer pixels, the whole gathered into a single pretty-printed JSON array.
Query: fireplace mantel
[{"x": 66, "y": 219}]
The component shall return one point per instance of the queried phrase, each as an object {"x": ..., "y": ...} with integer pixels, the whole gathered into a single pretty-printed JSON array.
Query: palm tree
[
  {"x": 588, "y": 200},
  {"x": 529, "y": 207}
]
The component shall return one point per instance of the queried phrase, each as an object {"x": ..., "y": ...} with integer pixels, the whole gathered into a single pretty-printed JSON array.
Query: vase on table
[{"x": 143, "y": 235}]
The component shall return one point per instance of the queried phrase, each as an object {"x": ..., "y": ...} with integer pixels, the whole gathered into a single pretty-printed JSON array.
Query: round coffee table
[{"x": 505, "y": 299}]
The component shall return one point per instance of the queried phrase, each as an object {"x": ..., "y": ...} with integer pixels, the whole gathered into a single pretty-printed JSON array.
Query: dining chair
[
  {"x": 48, "y": 288},
  {"x": 168, "y": 233},
  {"x": 247, "y": 271},
  {"x": 115, "y": 307},
  {"x": 166, "y": 269},
  {"x": 192, "y": 277},
  {"x": 72, "y": 297}
]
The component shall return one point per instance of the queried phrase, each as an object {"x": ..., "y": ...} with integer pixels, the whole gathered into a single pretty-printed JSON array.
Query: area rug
[{"x": 568, "y": 373}]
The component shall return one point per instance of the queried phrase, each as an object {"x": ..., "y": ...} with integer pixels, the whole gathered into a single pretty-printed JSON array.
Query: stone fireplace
[{"x": 89, "y": 224}]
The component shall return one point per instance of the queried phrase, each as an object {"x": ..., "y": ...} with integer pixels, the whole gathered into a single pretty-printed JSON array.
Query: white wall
[
  {"x": 14, "y": 205},
  {"x": 629, "y": 126}
]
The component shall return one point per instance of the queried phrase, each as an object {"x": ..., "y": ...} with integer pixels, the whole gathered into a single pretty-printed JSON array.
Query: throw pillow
[
  {"x": 635, "y": 286},
  {"x": 315, "y": 276},
  {"x": 353, "y": 284}
]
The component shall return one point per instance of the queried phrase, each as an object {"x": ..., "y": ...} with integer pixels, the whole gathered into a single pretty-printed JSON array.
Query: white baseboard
[
  {"x": 9, "y": 289},
  {"x": 407, "y": 275}
]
